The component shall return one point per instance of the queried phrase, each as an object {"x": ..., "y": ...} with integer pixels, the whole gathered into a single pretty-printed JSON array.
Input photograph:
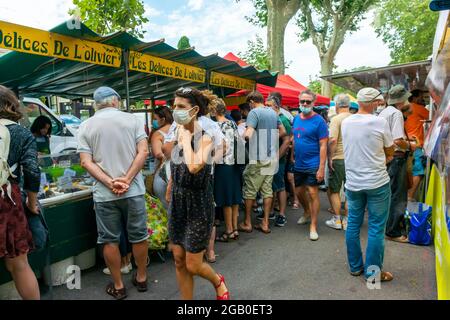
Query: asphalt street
[{"x": 284, "y": 265}]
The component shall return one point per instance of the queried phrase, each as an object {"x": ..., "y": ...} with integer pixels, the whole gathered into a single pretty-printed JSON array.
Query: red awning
[{"x": 286, "y": 85}]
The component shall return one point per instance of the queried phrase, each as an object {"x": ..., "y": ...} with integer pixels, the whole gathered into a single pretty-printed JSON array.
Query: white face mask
[{"x": 182, "y": 116}]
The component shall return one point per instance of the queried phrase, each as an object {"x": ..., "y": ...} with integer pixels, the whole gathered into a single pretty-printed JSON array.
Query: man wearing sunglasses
[{"x": 310, "y": 137}]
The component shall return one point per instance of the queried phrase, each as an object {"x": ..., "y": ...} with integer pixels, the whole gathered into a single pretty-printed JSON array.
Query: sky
[{"x": 215, "y": 26}]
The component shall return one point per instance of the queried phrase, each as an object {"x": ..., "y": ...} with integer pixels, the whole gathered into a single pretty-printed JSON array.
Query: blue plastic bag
[{"x": 419, "y": 216}]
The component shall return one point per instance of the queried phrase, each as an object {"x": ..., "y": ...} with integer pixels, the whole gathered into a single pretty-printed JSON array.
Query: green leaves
[
  {"x": 107, "y": 16},
  {"x": 407, "y": 27},
  {"x": 256, "y": 54},
  {"x": 183, "y": 43}
]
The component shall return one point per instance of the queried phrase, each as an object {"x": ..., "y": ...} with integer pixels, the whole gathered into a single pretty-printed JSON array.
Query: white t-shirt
[
  {"x": 111, "y": 136},
  {"x": 364, "y": 138},
  {"x": 287, "y": 114},
  {"x": 394, "y": 118},
  {"x": 241, "y": 128},
  {"x": 209, "y": 126}
]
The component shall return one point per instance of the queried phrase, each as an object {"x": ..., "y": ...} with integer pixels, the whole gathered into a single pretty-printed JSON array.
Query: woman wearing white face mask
[{"x": 190, "y": 194}]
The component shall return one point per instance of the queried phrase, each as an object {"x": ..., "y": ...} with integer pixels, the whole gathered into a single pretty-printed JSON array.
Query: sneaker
[
  {"x": 334, "y": 222},
  {"x": 260, "y": 215},
  {"x": 280, "y": 221},
  {"x": 344, "y": 223},
  {"x": 124, "y": 270},
  {"x": 304, "y": 220},
  {"x": 313, "y": 236}
]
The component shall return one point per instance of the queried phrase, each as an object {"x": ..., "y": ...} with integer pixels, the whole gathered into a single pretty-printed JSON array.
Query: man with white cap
[
  {"x": 113, "y": 148},
  {"x": 397, "y": 168},
  {"x": 367, "y": 144}
]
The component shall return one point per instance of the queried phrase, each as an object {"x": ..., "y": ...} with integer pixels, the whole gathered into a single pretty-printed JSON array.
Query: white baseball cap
[{"x": 369, "y": 94}]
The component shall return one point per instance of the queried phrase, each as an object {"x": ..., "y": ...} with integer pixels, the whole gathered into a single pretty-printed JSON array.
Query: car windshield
[{"x": 68, "y": 119}]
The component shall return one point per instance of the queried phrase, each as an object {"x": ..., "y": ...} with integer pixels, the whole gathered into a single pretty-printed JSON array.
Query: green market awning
[{"x": 37, "y": 75}]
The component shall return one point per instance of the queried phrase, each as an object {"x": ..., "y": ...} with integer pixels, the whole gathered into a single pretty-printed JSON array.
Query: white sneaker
[
  {"x": 313, "y": 236},
  {"x": 125, "y": 270},
  {"x": 334, "y": 222},
  {"x": 304, "y": 220},
  {"x": 344, "y": 223}
]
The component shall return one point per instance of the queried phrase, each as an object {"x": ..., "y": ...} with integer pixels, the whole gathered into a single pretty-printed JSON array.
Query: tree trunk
[
  {"x": 326, "y": 64},
  {"x": 278, "y": 15}
]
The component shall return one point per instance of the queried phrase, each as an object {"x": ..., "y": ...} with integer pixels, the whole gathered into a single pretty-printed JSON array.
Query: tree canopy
[
  {"x": 325, "y": 22},
  {"x": 256, "y": 54},
  {"x": 107, "y": 16},
  {"x": 407, "y": 27}
]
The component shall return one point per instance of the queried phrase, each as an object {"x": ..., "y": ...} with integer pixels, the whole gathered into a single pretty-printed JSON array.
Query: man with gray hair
[
  {"x": 336, "y": 161},
  {"x": 368, "y": 144},
  {"x": 113, "y": 148}
]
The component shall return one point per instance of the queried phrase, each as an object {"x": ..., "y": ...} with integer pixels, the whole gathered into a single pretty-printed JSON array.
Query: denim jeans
[
  {"x": 396, "y": 226},
  {"x": 377, "y": 202}
]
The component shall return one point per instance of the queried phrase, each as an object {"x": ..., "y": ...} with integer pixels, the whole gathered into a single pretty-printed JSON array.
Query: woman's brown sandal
[
  {"x": 118, "y": 294},
  {"x": 225, "y": 237}
]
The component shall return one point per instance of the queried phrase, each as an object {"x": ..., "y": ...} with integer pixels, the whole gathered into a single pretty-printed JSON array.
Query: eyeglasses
[{"x": 305, "y": 101}]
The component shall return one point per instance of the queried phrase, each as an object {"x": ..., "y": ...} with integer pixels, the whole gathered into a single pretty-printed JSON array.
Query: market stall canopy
[
  {"x": 411, "y": 75},
  {"x": 286, "y": 85},
  {"x": 151, "y": 65}
]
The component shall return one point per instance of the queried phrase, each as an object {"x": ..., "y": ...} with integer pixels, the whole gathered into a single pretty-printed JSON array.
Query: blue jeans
[{"x": 377, "y": 201}]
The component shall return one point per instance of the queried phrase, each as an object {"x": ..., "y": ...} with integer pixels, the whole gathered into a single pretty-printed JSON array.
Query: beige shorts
[{"x": 258, "y": 177}]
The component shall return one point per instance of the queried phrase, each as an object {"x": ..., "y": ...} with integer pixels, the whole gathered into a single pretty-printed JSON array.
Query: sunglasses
[
  {"x": 305, "y": 101},
  {"x": 184, "y": 90}
]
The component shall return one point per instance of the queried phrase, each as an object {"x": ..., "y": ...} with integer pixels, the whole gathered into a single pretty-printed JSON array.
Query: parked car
[
  {"x": 71, "y": 121},
  {"x": 63, "y": 138}
]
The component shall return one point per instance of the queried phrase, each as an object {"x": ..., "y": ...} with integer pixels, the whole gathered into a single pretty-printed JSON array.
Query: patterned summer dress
[{"x": 192, "y": 205}]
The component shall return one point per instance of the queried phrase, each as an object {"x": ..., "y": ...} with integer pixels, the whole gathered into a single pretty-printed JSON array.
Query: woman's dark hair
[
  {"x": 236, "y": 115},
  {"x": 39, "y": 123},
  {"x": 9, "y": 105},
  {"x": 195, "y": 98},
  {"x": 164, "y": 112}
]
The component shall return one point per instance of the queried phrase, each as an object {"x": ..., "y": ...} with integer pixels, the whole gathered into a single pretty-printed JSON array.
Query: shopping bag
[
  {"x": 156, "y": 223},
  {"x": 418, "y": 216}
]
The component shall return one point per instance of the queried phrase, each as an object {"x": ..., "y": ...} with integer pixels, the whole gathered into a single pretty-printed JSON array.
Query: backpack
[{"x": 5, "y": 170}]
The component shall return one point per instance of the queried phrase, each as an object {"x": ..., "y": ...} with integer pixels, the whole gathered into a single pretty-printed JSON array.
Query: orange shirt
[{"x": 413, "y": 124}]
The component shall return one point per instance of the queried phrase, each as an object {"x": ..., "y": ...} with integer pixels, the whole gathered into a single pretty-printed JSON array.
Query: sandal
[
  {"x": 260, "y": 228},
  {"x": 236, "y": 234},
  {"x": 118, "y": 294},
  {"x": 140, "y": 286},
  {"x": 386, "y": 276},
  {"x": 242, "y": 229},
  {"x": 401, "y": 239},
  {"x": 209, "y": 260},
  {"x": 225, "y": 237},
  {"x": 295, "y": 206}
]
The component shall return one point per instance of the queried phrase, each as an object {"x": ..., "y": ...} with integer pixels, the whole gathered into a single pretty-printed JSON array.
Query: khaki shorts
[{"x": 256, "y": 179}]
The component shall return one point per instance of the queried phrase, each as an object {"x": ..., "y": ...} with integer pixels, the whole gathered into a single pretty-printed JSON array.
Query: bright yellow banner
[
  {"x": 225, "y": 80},
  {"x": 146, "y": 63},
  {"x": 34, "y": 41},
  {"x": 436, "y": 197}
]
